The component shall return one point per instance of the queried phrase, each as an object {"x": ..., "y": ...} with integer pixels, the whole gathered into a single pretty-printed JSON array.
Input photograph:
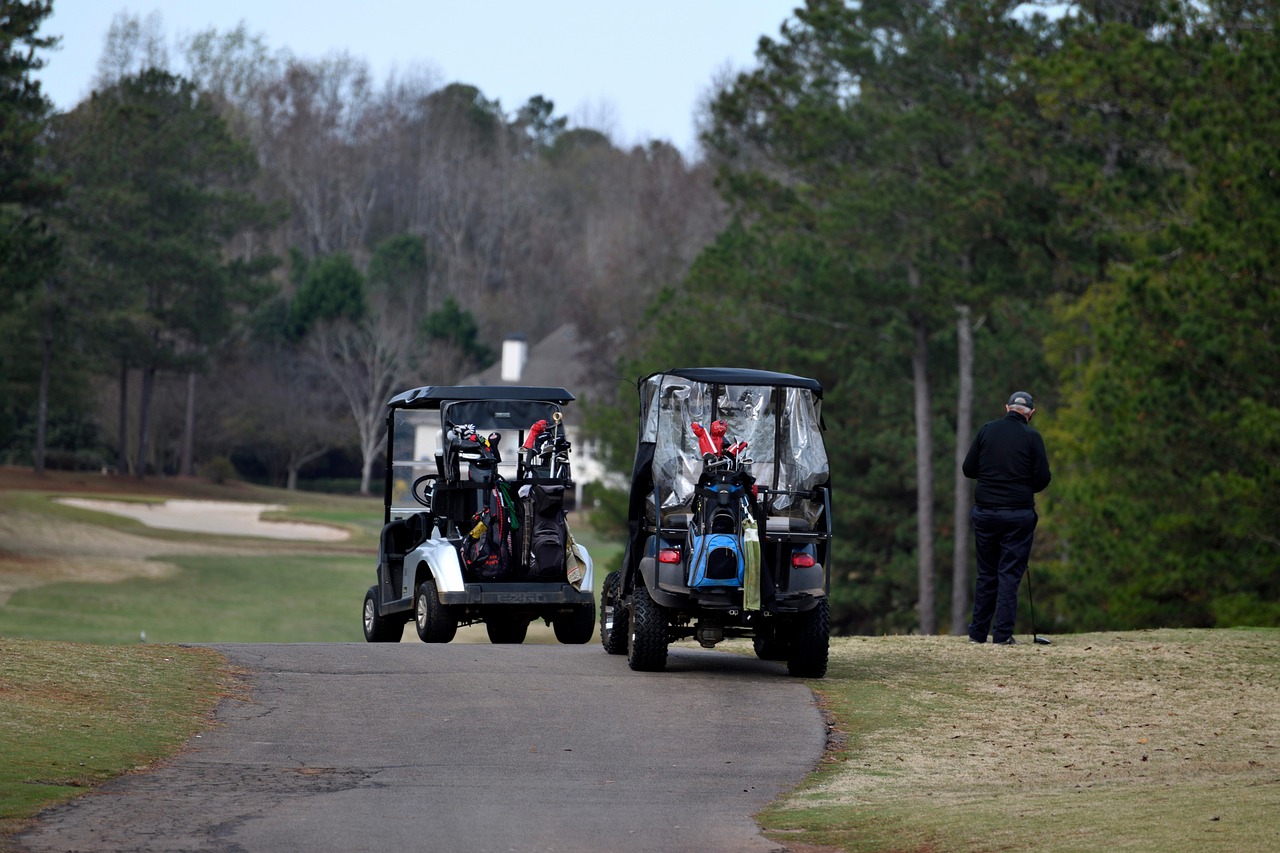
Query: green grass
[
  {"x": 75, "y": 715},
  {"x": 259, "y": 599},
  {"x": 364, "y": 520}
]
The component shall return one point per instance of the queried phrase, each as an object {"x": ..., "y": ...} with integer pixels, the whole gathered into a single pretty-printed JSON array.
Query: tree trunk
[
  {"x": 122, "y": 464},
  {"x": 42, "y": 401},
  {"x": 366, "y": 473},
  {"x": 924, "y": 466},
  {"x": 144, "y": 418},
  {"x": 187, "y": 466},
  {"x": 964, "y": 435}
]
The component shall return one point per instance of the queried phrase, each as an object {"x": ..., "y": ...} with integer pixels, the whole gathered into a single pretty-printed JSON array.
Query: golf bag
[
  {"x": 487, "y": 549},
  {"x": 715, "y": 532},
  {"x": 546, "y": 532}
]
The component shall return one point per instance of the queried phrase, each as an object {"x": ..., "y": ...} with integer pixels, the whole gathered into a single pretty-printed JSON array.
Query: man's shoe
[
  {"x": 1009, "y": 642},
  {"x": 977, "y": 642}
]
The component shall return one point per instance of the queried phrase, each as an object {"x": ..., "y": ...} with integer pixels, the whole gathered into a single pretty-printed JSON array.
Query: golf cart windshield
[
  {"x": 427, "y": 427},
  {"x": 781, "y": 425}
]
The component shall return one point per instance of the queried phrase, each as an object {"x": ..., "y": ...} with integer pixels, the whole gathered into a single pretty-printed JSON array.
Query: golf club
[{"x": 1035, "y": 638}]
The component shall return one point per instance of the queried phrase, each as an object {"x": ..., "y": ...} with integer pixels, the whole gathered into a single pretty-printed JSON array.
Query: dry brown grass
[
  {"x": 1140, "y": 740},
  {"x": 1091, "y": 709}
]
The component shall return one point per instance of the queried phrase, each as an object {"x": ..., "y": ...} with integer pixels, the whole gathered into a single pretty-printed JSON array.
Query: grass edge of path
[{"x": 75, "y": 716}]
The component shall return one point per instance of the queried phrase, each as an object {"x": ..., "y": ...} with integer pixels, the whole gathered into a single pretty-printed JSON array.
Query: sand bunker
[{"x": 221, "y": 517}]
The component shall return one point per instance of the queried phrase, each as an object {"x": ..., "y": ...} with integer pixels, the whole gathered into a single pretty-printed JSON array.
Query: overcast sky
[{"x": 638, "y": 67}]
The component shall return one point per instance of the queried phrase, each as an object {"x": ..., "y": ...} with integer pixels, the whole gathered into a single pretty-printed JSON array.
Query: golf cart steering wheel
[{"x": 422, "y": 494}]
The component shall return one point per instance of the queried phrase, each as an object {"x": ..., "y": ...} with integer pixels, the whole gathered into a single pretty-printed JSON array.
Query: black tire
[
  {"x": 379, "y": 629},
  {"x": 772, "y": 645},
  {"x": 811, "y": 643},
  {"x": 576, "y": 628},
  {"x": 506, "y": 630},
  {"x": 613, "y": 616},
  {"x": 433, "y": 620},
  {"x": 648, "y": 637}
]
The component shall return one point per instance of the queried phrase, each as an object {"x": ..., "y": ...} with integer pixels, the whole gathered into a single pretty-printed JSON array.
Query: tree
[
  {"x": 452, "y": 327},
  {"x": 159, "y": 188},
  {"x": 233, "y": 67},
  {"x": 28, "y": 251},
  {"x": 24, "y": 187},
  {"x": 133, "y": 45},
  {"x": 537, "y": 119},
  {"x": 316, "y": 133},
  {"x": 1170, "y": 361},
  {"x": 402, "y": 275},
  {"x": 278, "y": 407},
  {"x": 332, "y": 289},
  {"x": 367, "y": 366},
  {"x": 872, "y": 123},
  {"x": 345, "y": 342}
]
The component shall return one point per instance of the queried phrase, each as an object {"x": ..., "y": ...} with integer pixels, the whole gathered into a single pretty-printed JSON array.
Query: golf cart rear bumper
[{"x": 517, "y": 593}]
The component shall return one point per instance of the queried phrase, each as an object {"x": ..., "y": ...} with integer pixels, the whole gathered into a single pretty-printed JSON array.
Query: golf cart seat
[
  {"x": 676, "y": 520},
  {"x": 402, "y": 535},
  {"x": 777, "y": 525},
  {"x": 782, "y": 524}
]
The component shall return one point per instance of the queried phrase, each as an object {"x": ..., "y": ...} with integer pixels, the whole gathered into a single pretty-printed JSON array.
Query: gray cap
[{"x": 1021, "y": 398}]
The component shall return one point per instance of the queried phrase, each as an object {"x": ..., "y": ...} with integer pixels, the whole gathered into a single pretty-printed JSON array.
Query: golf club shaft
[{"x": 1035, "y": 636}]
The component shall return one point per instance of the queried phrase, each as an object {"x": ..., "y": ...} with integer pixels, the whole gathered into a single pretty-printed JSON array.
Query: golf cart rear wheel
[
  {"x": 379, "y": 629},
  {"x": 811, "y": 643},
  {"x": 506, "y": 630},
  {"x": 613, "y": 616},
  {"x": 434, "y": 621},
  {"x": 648, "y": 637},
  {"x": 576, "y": 628}
]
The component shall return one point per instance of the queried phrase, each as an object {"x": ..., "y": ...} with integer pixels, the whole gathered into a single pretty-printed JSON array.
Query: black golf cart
[
  {"x": 474, "y": 526},
  {"x": 730, "y": 521}
]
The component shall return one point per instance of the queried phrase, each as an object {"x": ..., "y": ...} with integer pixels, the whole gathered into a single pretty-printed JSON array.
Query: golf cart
[
  {"x": 729, "y": 521},
  {"x": 474, "y": 527}
]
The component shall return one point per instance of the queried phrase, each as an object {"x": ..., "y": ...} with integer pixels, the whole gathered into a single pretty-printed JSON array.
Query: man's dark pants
[{"x": 1003, "y": 538}]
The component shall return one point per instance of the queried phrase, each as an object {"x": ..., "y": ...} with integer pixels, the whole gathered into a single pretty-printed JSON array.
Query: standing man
[{"x": 1009, "y": 462}]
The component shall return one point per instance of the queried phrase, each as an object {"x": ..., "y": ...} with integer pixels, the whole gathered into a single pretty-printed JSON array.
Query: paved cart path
[{"x": 467, "y": 748}]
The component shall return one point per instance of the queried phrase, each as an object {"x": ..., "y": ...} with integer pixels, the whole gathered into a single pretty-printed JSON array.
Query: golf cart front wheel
[
  {"x": 434, "y": 621},
  {"x": 379, "y": 629},
  {"x": 613, "y": 616}
]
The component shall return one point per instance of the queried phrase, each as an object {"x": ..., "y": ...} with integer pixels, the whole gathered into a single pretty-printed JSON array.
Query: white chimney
[{"x": 515, "y": 353}]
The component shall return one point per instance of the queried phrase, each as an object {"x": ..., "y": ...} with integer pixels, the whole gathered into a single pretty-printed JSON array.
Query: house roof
[{"x": 559, "y": 359}]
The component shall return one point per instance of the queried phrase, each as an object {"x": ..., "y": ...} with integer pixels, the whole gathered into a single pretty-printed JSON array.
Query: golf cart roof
[
  {"x": 741, "y": 376},
  {"x": 433, "y": 396}
]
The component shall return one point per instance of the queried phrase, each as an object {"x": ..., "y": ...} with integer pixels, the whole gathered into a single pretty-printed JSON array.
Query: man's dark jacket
[{"x": 1009, "y": 462}]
